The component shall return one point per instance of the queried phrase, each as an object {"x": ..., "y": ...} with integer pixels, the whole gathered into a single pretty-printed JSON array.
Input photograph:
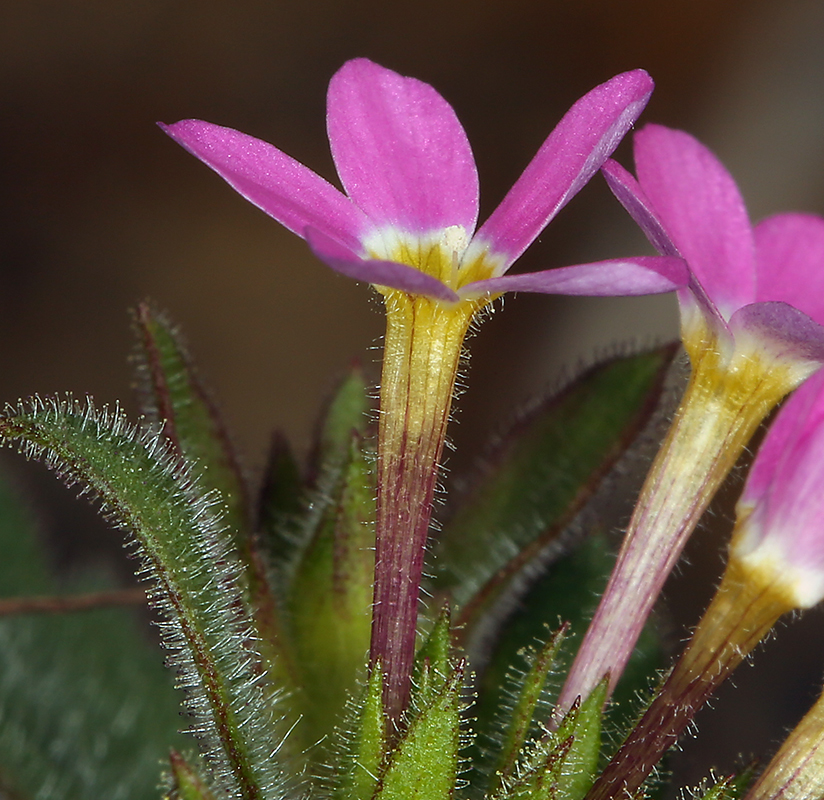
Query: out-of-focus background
[{"x": 100, "y": 209}]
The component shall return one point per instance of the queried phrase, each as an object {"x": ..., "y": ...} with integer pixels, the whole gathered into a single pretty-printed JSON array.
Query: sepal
[{"x": 186, "y": 782}]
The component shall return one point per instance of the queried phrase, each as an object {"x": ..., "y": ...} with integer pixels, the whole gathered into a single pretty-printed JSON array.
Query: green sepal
[
  {"x": 365, "y": 750},
  {"x": 186, "y": 781},
  {"x": 562, "y": 765},
  {"x": 424, "y": 763},
  {"x": 432, "y": 668},
  {"x": 581, "y": 760},
  {"x": 538, "y": 477},
  {"x": 520, "y": 718},
  {"x": 330, "y": 595},
  {"x": 195, "y": 576},
  {"x": 173, "y": 394}
]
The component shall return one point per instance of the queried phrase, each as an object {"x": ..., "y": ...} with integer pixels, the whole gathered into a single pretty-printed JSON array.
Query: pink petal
[
  {"x": 700, "y": 207},
  {"x": 790, "y": 258},
  {"x": 574, "y": 151},
  {"x": 282, "y": 187},
  {"x": 383, "y": 273},
  {"x": 804, "y": 410},
  {"x": 617, "y": 277},
  {"x": 786, "y": 480},
  {"x": 400, "y": 151},
  {"x": 631, "y": 196},
  {"x": 784, "y": 330}
]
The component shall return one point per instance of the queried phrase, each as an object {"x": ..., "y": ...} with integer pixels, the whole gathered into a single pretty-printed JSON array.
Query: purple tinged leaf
[
  {"x": 401, "y": 153},
  {"x": 628, "y": 276},
  {"x": 277, "y": 184},
  {"x": 571, "y": 155}
]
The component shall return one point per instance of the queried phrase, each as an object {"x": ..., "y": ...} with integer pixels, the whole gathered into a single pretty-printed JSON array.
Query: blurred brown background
[{"x": 100, "y": 209}]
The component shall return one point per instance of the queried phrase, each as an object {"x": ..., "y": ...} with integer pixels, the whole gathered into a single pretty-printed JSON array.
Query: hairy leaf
[{"x": 194, "y": 573}]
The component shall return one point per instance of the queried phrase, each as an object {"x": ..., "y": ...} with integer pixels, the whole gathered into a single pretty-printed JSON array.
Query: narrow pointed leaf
[
  {"x": 425, "y": 762},
  {"x": 581, "y": 760},
  {"x": 174, "y": 395},
  {"x": 330, "y": 595},
  {"x": 432, "y": 667},
  {"x": 366, "y": 749},
  {"x": 195, "y": 577},
  {"x": 522, "y": 714}
]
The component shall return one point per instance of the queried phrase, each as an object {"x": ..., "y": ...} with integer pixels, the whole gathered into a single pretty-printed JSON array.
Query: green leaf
[
  {"x": 539, "y": 477},
  {"x": 330, "y": 595},
  {"x": 562, "y": 765},
  {"x": 583, "y": 725},
  {"x": 569, "y": 590},
  {"x": 173, "y": 394},
  {"x": 365, "y": 749},
  {"x": 281, "y": 505},
  {"x": 184, "y": 549},
  {"x": 347, "y": 411},
  {"x": 424, "y": 764},
  {"x": 86, "y": 707},
  {"x": 187, "y": 783},
  {"x": 432, "y": 668},
  {"x": 520, "y": 718}
]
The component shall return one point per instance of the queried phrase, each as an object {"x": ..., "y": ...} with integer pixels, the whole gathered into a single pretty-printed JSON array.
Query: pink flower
[
  {"x": 751, "y": 319},
  {"x": 748, "y": 284},
  {"x": 781, "y": 510},
  {"x": 407, "y": 220}
]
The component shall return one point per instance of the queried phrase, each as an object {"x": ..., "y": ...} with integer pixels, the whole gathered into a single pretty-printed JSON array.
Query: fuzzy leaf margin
[{"x": 186, "y": 555}]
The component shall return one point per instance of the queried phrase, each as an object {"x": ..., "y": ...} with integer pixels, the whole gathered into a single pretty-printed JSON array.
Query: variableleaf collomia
[{"x": 194, "y": 576}]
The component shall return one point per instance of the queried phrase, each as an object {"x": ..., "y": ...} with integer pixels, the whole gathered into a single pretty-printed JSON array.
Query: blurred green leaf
[
  {"x": 187, "y": 552},
  {"x": 86, "y": 707},
  {"x": 519, "y": 717},
  {"x": 187, "y": 783},
  {"x": 330, "y": 595},
  {"x": 540, "y": 475}
]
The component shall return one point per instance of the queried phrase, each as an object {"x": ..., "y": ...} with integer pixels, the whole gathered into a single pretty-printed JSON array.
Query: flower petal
[
  {"x": 400, "y": 151},
  {"x": 700, "y": 207},
  {"x": 631, "y": 196},
  {"x": 277, "y": 184},
  {"x": 790, "y": 258},
  {"x": 780, "y": 328},
  {"x": 616, "y": 277},
  {"x": 571, "y": 155},
  {"x": 382, "y": 273},
  {"x": 629, "y": 193},
  {"x": 801, "y": 415}
]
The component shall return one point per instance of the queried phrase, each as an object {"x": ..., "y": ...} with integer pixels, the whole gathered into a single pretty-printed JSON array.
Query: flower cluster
[{"x": 309, "y": 666}]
